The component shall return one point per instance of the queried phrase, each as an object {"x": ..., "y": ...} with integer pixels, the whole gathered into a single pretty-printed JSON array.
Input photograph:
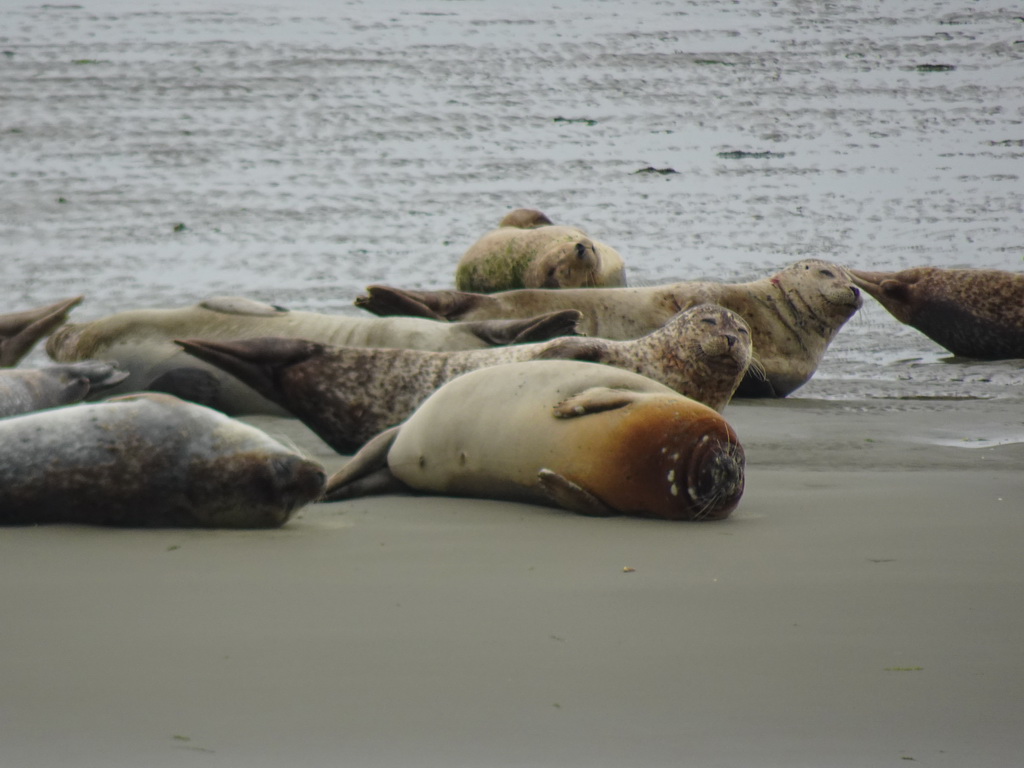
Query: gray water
[{"x": 152, "y": 154}]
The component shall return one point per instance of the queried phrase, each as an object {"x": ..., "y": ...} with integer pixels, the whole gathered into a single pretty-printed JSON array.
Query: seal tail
[{"x": 19, "y": 331}]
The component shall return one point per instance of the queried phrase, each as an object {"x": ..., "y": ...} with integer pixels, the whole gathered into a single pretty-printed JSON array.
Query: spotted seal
[{"x": 346, "y": 395}]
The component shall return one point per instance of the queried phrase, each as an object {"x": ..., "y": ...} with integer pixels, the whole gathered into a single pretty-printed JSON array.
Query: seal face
[
  {"x": 141, "y": 342},
  {"x": 25, "y": 390},
  {"x": 346, "y": 395},
  {"x": 793, "y": 315},
  {"x": 19, "y": 331},
  {"x": 592, "y": 439},
  {"x": 539, "y": 257},
  {"x": 148, "y": 460},
  {"x": 975, "y": 313}
]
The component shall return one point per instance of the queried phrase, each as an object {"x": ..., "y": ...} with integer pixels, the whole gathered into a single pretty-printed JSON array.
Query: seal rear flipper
[
  {"x": 19, "y": 331},
  {"x": 367, "y": 472},
  {"x": 594, "y": 400},
  {"x": 533, "y": 329},
  {"x": 385, "y": 301},
  {"x": 193, "y": 384},
  {"x": 568, "y": 495}
]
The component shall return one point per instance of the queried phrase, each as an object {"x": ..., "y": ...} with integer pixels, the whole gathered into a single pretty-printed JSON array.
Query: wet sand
[{"x": 859, "y": 608}]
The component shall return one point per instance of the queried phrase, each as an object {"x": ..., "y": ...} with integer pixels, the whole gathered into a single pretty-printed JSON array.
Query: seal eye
[
  {"x": 709, "y": 320},
  {"x": 826, "y": 273}
]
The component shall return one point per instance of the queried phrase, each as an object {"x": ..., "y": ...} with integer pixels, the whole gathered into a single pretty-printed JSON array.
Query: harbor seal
[
  {"x": 141, "y": 341},
  {"x": 544, "y": 256},
  {"x": 19, "y": 331},
  {"x": 24, "y": 390},
  {"x": 793, "y": 315},
  {"x": 590, "y": 438},
  {"x": 346, "y": 395},
  {"x": 148, "y": 460},
  {"x": 971, "y": 312}
]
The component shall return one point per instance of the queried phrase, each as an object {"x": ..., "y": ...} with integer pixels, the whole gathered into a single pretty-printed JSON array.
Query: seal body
[
  {"x": 975, "y": 313},
  {"x": 346, "y": 395},
  {"x": 34, "y": 389},
  {"x": 141, "y": 342},
  {"x": 793, "y": 315},
  {"x": 589, "y": 438},
  {"x": 538, "y": 257},
  {"x": 19, "y": 331},
  {"x": 148, "y": 460}
]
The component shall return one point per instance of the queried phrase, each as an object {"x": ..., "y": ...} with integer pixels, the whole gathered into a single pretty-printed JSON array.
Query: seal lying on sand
[
  {"x": 793, "y": 315},
  {"x": 971, "y": 312},
  {"x": 141, "y": 341},
  {"x": 19, "y": 331},
  {"x": 590, "y": 438},
  {"x": 148, "y": 460},
  {"x": 346, "y": 395},
  {"x": 526, "y": 253},
  {"x": 34, "y": 389}
]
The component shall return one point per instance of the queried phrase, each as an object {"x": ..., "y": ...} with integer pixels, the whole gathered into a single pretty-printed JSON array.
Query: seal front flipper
[
  {"x": 385, "y": 301},
  {"x": 19, "y": 331},
  {"x": 568, "y": 495},
  {"x": 593, "y": 400},
  {"x": 239, "y": 305},
  {"x": 540, "y": 328},
  {"x": 366, "y": 473},
  {"x": 574, "y": 348}
]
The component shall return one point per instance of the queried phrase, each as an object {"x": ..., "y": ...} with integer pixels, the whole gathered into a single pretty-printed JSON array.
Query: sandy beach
[{"x": 856, "y": 611}]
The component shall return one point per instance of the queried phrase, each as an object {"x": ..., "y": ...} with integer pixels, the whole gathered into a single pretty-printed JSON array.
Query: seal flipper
[
  {"x": 573, "y": 348},
  {"x": 593, "y": 400},
  {"x": 193, "y": 384},
  {"x": 539, "y": 328},
  {"x": 19, "y": 331},
  {"x": 568, "y": 495},
  {"x": 366, "y": 473},
  {"x": 239, "y": 305},
  {"x": 385, "y": 301}
]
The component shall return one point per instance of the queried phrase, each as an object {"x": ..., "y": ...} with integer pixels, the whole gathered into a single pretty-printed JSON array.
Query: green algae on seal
[
  {"x": 148, "y": 460},
  {"x": 589, "y": 438},
  {"x": 346, "y": 395}
]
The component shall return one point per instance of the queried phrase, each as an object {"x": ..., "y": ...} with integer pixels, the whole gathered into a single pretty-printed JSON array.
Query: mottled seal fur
[
  {"x": 148, "y": 460},
  {"x": 19, "y": 331},
  {"x": 537, "y": 256},
  {"x": 793, "y": 315},
  {"x": 346, "y": 395},
  {"x": 590, "y": 438},
  {"x": 24, "y": 390},
  {"x": 141, "y": 341},
  {"x": 975, "y": 313}
]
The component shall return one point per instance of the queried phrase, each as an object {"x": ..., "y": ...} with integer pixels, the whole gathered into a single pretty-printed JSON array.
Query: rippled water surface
[{"x": 152, "y": 154}]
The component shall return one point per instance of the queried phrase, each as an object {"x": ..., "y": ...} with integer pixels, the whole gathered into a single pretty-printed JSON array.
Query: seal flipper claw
[
  {"x": 568, "y": 495},
  {"x": 544, "y": 327},
  {"x": 366, "y": 473},
  {"x": 594, "y": 400}
]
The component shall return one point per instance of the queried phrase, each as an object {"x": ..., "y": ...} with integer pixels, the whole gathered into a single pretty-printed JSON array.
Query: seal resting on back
[
  {"x": 346, "y": 395},
  {"x": 142, "y": 342},
  {"x": 793, "y": 315},
  {"x": 971, "y": 312},
  {"x": 148, "y": 460},
  {"x": 33, "y": 389},
  {"x": 589, "y": 438},
  {"x": 524, "y": 252},
  {"x": 19, "y": 331}
]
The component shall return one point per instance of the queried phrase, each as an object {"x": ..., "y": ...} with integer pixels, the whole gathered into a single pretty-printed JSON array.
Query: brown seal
[
  {"x": 19, "y": 331},
  {"x": 590, "y": 438},
  {"x": 544, "y": 256},
  {"x": 793, "y": 315},
  {"x": 32, "y": 389},
  {"x": 141, "y": 341},
  {"x": 346, "y": 395},
  {"x": 525, "y": 218},
  {"x": 148, "y": 460},
  {"x": 971, "y": 312}
]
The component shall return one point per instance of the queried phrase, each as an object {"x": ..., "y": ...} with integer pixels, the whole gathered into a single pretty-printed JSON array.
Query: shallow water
[{"x": 151, "y": 155}]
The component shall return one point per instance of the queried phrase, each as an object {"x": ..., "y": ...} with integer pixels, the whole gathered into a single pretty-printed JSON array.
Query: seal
[
  {"x": 148, "y": 460},
  {"x": 19, "y": 331},
  {"x": 975, "y": 313},
  {"x": 141, "y": 342},
  {"x": 525, "y": 218},
  {"x": 34, "y": 389},
  {"x": 589, "y": 438},
  {"x": 545, "y": 256},
  {"x": 346, "y": 395},
  {"x": 793, "y": 315}
]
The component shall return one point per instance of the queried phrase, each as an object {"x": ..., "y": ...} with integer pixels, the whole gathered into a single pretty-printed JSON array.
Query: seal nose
[
  {"x": 298, "y": 481},
  {"x": 856, "y": 291},
  {"x": 731, "y": 340}
]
